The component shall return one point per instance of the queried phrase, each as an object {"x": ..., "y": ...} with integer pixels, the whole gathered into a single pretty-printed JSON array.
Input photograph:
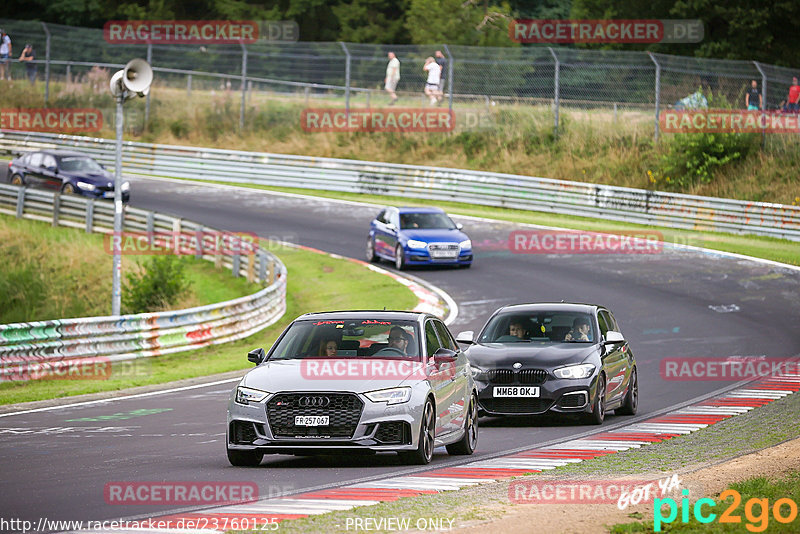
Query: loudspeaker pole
[{"x": 116, "y": 240}]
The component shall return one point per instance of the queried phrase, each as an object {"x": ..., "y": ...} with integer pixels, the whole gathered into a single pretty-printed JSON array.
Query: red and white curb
[{"x": 660, "y": 428}]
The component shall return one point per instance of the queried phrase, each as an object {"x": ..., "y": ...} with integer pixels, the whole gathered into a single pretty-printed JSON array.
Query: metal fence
[
  {"x": 411, "y": 181},
  {"x": 125, "y": 337},
  {"x": 351, "y": 74}
]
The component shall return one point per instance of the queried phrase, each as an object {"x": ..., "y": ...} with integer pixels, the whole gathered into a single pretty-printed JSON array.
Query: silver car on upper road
[{"x": 361, "y": 381}]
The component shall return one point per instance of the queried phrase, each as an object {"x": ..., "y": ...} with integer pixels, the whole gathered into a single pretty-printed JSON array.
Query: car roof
[
  {"x": 549, "y": 306},
  {"x": 62, "y": 153},
  {"x": 408, "y": 209},
  {"x": 389, "y": 315}
]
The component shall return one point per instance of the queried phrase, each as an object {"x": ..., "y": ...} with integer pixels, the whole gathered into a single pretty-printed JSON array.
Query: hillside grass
[
  {"x": 592, "y": 145},
  {"x": 316, "y": 282},
  {"x": 55, "y": 273}
]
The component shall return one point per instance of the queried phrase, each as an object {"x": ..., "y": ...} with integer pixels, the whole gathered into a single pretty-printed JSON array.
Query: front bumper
[
  {"x": 416, "y": 256},
  {"x": 375, "y": 428},
  {"x": 555, "y": 395}
]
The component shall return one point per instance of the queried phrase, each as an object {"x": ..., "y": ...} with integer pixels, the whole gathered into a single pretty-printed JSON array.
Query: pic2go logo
[{"x": 783, "y": 511}]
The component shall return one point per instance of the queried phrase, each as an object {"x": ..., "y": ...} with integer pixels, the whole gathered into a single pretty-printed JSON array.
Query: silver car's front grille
[{"x": 342, "y": 409}]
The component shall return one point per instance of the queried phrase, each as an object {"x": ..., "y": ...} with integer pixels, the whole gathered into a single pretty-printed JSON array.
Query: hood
[
  {"x": 98, "y": 178},
  {"x": 322, "y": 374},
  {"x": 435, "y": 234},
  {"x": 530, "y": 355}
]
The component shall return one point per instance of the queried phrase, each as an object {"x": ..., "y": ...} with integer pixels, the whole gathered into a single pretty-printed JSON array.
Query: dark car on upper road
[
  {"x": 531, "y": 359},
  {"x": 66, "y": 171},
  {"x": 418, "y": 236}
]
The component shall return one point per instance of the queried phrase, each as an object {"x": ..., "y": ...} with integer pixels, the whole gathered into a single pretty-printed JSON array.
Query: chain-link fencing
[{"x": 602, "y": 84}]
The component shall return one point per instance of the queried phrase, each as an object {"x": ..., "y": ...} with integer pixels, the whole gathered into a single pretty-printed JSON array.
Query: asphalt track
[{"x": 672, "y": 304}]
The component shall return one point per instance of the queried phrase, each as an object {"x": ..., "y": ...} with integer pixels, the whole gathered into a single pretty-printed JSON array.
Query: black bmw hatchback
[
  {"x": 531, "y": 359},
  {"x": 65, "y": 171}
]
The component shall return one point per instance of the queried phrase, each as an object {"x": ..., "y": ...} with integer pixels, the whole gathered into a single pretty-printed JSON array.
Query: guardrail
[
  {"x": 147, "y": 334},
  {"x": 477, "y": 187}
]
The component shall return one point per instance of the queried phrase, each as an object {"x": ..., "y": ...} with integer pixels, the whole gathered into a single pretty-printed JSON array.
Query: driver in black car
[{"x": 517, "y": 329}]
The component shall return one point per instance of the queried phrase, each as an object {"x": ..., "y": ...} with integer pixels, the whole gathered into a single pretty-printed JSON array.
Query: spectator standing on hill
[
  {"x": 753, "y": 97},
  {"x": 392, "y": 76},
  {"x": 5, "y": 53},
  {"x": 793, "y": 100},
  {"x": 27, "y": 58}
]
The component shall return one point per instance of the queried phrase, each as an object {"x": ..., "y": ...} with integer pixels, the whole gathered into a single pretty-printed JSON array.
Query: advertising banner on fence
[{"x": 56, "y": 120}]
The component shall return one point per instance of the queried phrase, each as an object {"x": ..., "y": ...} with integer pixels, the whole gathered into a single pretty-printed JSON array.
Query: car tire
[
  {"x": 399, "y": 258},
  {"x": 17, "y": 179},
  {"x": 371, "y": 256},
  {"x": 466, "y": 445},
  {"x": 244, "y": 458},
  {"x": 424, "y": 452},
  {"x": 68, "y": 189},
  {"x": 631, "y": 403},
  {"x": 598, "y": 413}
]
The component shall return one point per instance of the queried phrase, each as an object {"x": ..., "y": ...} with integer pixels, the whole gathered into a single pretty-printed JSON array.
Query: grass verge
[
  {"x": 591, "y": 145},
  {"x": 316, "y": 282},
  {"x": 760, "y": 428},
  {"x": 780, "y": 250}
]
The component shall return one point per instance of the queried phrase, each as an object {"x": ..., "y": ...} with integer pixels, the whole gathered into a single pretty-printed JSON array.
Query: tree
[
  {"x": 462, "y": 22},
  {"x": 373, "y": 21}
]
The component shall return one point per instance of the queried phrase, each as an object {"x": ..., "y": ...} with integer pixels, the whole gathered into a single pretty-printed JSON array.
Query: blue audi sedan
[{"x": 417, "y": 236}]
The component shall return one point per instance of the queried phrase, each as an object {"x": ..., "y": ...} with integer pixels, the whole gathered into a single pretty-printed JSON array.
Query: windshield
[
  {"x": 349, "y": 339},
  {"x": 543, "y": 326},
  {"x": 410, "y": 221},
  {"x": 79, "y": 163}
]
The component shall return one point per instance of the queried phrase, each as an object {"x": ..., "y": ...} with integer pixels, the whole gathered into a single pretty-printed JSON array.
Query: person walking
[
  {"x": 793, "y": 100},
  {"x": 442, "y": 62},
  {"x": 392, "y": 76},
  {"x": 434, "y": 76},
  {"x": 5, "y": 53}
]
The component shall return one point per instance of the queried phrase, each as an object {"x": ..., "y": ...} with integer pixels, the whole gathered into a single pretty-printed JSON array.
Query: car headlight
[
  {"x": 583, "y": 370},
  {"x": 413, "y": 243},
  {"x": 125, "y": 186},
  {"x": 86, "y": 187},
  {"x": 465, "y": 245},
  {"x": 249, "y": 395},
  {"x": 391, "y": 395}
]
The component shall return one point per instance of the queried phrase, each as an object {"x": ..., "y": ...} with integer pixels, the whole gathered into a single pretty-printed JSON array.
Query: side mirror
[
  {"x": 445, "y": 361},
  {"x": 459, "y": 226},
  {"x": 391, "y": 227},
  {"x": 613, "y": 338},
  {"x": 53, "y": 168},
  {"x": 466, "y": 337},
  {"x": 256, "y": 356}
]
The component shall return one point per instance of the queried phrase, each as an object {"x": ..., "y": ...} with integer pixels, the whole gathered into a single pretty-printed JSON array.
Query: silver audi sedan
[{"x": 359, "y": 381}]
